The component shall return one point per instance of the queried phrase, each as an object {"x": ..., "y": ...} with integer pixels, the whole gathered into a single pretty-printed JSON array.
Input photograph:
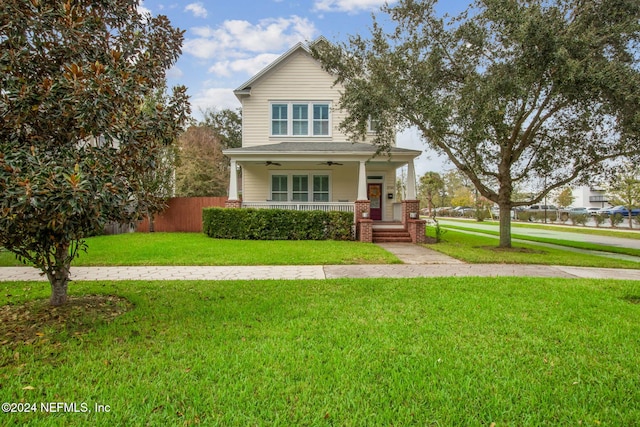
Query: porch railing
[{"x": 302, "y": 206}]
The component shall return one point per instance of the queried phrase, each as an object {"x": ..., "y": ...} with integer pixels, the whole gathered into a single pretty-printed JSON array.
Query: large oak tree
[
  {"x": 74, "y": 135},
  {"x": 511, "y": 91}
]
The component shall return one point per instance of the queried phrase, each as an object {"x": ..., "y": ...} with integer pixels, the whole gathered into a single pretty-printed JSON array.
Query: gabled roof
[{"x": 245, "y": 88}]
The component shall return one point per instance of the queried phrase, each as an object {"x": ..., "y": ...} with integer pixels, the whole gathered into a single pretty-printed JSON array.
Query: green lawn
[
  {"x": 198, "y": 249},
  {"x": 483, "y": 249},
  {"x": 567, "y": 243},
  {"x": 446, "y": 351},
  {"x": 596, "y": 231}
]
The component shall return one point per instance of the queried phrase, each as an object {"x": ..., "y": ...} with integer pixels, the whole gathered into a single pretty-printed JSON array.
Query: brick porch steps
[{"x": 386, "y": 233}]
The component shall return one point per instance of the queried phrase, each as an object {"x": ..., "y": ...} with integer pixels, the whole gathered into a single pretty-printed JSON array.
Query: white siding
[{"x": 297, "y": 78}]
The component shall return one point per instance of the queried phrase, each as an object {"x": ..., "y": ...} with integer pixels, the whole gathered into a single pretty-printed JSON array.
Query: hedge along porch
[{"x": 349, "y": 177}]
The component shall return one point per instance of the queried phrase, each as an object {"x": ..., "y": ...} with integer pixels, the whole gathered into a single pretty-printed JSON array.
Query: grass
[
  {"x": 482, "y": 250},
  {"x": 560, "y": 242},
  {"x": 446, "y": 351},
  {"x": 198, "y": 249},
  {"x": 596, "y": 231}
]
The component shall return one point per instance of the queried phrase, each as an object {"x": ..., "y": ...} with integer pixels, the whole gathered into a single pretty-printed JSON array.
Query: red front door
[{"x": 374, "y": 192}]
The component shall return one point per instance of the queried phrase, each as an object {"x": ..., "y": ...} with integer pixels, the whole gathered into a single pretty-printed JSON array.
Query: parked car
[
  {"x": 593, "y": 211},
  {"x": 444, "y": 211},
  {"x": 621, "y": 210},
  {"x": 569, "y": 212},
  {"x": 542, "y": 208},
  {"x": 462, "y": 211}
]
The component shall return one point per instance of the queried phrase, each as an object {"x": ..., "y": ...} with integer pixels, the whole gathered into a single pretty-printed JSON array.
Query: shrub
[
  {"x": 579, "y": 219},
  {"x": 615, "y": 219},
  {"x": 599, "y": 219},
  {"x": 276, "y": 224}
]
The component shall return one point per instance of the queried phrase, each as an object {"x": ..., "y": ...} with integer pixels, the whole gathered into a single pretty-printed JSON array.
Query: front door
[{"x": 374, "y": 192}]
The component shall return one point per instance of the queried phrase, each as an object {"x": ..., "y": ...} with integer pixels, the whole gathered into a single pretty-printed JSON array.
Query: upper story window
[
  {"x": 300, "y": 119},
  {"x": 374, "y": 125}
]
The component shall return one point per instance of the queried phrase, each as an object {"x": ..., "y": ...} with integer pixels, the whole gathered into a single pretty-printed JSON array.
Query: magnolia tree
[
  {"x": 74, "y": 135},
  {"x": 511, "y": 91}
]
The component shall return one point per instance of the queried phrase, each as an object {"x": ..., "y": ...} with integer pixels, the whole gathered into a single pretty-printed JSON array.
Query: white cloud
[
  {"x": 197, "y": 9},
  {"x": 218, "y": 98},
  {"x": 237, "y": 38},
  {"x": 349, "y": 6},
  {"x": 175, "y": 72},
  {"x": 248, "y": 66},
  {"x": 143, "y": 10}
]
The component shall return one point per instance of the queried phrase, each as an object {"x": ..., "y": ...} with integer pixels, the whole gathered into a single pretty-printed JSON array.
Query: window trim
[
  {"x": 310, "y": 192},
  {"x": 311, "y": 119}
]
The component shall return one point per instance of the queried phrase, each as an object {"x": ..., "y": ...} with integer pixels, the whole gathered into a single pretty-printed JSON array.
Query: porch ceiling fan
[
  {"x": 330, "y": 163},
  {"x": 270, "y": 163}
]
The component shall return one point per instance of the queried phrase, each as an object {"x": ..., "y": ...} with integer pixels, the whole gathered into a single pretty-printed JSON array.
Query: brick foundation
[
  {"x": 417, "y": 229},
  {"x": 365, "y": 230},
  {"x": 364, "y": 226},
  {"x": 233, "y": 204},
  {"x": 409, "y": 207}
]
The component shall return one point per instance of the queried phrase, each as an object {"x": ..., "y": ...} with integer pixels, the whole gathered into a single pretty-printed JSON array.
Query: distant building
[{"x": 590, "y": 197}]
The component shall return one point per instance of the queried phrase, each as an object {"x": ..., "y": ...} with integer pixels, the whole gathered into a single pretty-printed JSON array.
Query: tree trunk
[
  {"x": 58, "y": 275},
  {"x": 152, "y": 226},
  {"x": 505, "y": 226}
]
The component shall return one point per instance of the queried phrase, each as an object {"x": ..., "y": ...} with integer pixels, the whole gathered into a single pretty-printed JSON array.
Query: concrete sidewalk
[{"x": 418, "y": 262}]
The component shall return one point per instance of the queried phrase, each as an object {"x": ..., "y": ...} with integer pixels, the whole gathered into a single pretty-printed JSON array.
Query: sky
[{"x": 228, "y": 41}]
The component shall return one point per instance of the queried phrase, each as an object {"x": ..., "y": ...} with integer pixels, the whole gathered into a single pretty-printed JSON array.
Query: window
[
  {"x": 300, "y": 188},
  {"x": 300, "y": 119},
  {"x": 279, "y": 119},
  {"x": 320, "y": 119},
  {"x": 374, "y": 124},
  {"x": 279, "y": 188},
  {"x": 320, "y": 188}
]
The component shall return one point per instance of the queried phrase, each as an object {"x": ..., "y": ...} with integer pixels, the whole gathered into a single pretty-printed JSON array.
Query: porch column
[
  {"x": 362, "y": 181},
  {"x": 232, "y": 201},
  {"x": 411, "y": 181},
  {"x": 233, "y": 181},
  {"x": 364, "y": 225}
]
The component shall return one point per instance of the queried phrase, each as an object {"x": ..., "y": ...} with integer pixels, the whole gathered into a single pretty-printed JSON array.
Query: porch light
[
  {"x": 365, "y": 214},
  {"x": 413, "y": 215}
]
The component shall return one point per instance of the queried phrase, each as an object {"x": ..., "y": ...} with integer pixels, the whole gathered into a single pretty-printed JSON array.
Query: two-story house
[{"x": 294, "y": 156}]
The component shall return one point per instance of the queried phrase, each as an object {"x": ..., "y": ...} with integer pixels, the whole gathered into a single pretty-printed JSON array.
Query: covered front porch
[{"x": 348, "y": 177}]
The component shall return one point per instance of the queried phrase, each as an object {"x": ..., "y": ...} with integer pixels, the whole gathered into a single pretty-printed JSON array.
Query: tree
[
  {"x": 456, "y": 183},
  {"x": 73, "y": 133},
  {"x": 157, "y": 182},
  {"x": 511, "y": 91},
  {"x": 430, "y": 185},
  {"x": 202, "y": 168},
  {"x": 565, "y": 198},
  {"x": 227, "y": 125},
  {"x": 624, "y": 189}
]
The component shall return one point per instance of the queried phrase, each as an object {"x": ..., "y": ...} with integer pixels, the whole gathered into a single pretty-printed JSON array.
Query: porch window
[
  {"x": 279, "y": 120},
  {"x": 320, "y": 188},
  {"x": 300, "y": 119},
  {"x": 279, "y": 188},
  {"x": 300, "y": 188}
]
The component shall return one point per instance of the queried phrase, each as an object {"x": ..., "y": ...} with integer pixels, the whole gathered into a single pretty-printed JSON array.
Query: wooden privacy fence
[{"x": 184, "y": 214}]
